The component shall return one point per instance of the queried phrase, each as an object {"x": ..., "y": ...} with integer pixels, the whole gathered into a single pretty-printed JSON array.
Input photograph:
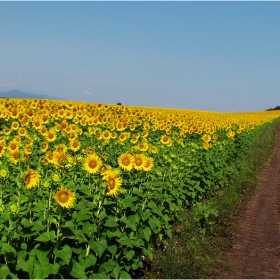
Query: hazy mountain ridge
[{"x": 19, "y": 94}]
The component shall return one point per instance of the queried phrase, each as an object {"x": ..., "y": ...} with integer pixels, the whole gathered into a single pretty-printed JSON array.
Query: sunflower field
[{"x": 86, "y": 189}]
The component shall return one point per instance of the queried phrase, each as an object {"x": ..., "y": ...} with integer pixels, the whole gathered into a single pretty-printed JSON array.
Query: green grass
[{"x": 197, "y": 245}]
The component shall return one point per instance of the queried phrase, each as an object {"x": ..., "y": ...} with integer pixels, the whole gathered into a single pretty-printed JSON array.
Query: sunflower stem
[{"x": 48, "y": 211}]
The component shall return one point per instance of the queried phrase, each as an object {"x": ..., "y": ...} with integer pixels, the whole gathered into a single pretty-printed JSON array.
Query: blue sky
[{"x": 214, "y": 56}]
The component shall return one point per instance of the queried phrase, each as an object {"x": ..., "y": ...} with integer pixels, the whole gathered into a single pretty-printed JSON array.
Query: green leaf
[
  {"x": 39, "y": 207},
  {"x": 23, "y": 246},
  {"x": 146, "y": 233},
  {"x": 38, "y": 226},
  {"x": 102, "y": 215},
  {"x": 89, "y": 229},
  {"x": 65, "y": 254},
  {"x": 125, "y": 240},
  {"x": 77, "y": 271},
  {"x": 42, "y": 271},
  {"x": 146, "y": 214},
  {"x": 54, "y": 268},
  {"x": 99, "y": 247},
  {"x": 128, "y": 201},
  {"x": 138, "y": 242},
  {"x": 25, "y": 266},
  {"x": 112, "y": 249},
  {"x": 129, "y": 254},
  {"x": 4, "y": 271},
  {"x": 41, "y": 254},
  {"x": 108, "y": 266},
  {"x": 154, "y": 224},
  {"x": 148, "y": 251},
  {"x": 124, "y": 275},
  {"x": 89, "y": 261},
  {"x": 67, "y": 232},
  {"x": 116, "y": 271},
  {"x": 100, "y": 275},
  {"x": 7, "y": 248},
  {"x": 115, "y": 233},
  {"x": 111, "y": 222},
  {"x": 46, "y": 236},
  {"x": 83, "y": 217},
  {"x": 25, "y": 223},
  {"x": 132, "y": 222}
]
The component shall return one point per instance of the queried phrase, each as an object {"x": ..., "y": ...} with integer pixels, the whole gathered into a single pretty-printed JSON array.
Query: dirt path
[{"x": 256, "y": 245}]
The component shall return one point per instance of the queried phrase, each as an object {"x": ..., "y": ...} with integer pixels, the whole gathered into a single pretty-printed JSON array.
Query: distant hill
[
  {"x": 19, "y": 94},
  {"x": 276, "y": 108}
]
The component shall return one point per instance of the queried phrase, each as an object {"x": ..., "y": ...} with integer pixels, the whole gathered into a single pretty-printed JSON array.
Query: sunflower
[
  {"x": 206, "y": 145},
  {"x": 165, "y": 139},
  {"x": 22, "y": 131},
  {"x": 31, "y": 178},
  {"x": 13, "y": 146},
  {"x": 50, "y": 136},
  {"x": 50, "y": 157},
  {"x": 140, "y": 161},
  {"x": 206, "y": 138},
  {"x": 15, "y": 125},
  {"x": 45, "y": 119},
  {"x": 14, "y": 157},
  {"x": 149, "y": 164},
  {"x": 126, "y": 161},
  {"x": 106, "y": 134},
  {"x": 61, "y": 148},
  {"x": 104, "y": 169},
  {"x": 44, "y": 160},
  {"x": 62, "y": 159},
  {"x": 113, "y": 182},
  {"x": 92, "y": 163},
  {"x": 2, "y": 148},
  {"x": 75, "y": 145},
  {"x": 46, "y": 183},
  {"x": 37, "y": 123},
  {"x": 44, "y": 130},
  {"x": 44, "y": 146},
  {"x": 25, "y": 158},
  {"x": 65, "y": 198},
  {"x": 143, "y": 147},
  {"x": 4, "y": 173},
  {"x": 28, "y": 149},
  {"x": 135, "y": 138},
  {"x": 55, "y": 177},
  {"x": 14, "y": 113},
  {"x": 89, "y": 151}
]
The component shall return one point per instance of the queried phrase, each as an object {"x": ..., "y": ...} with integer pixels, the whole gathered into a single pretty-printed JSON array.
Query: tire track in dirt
[{"x": 256, "y": 246}]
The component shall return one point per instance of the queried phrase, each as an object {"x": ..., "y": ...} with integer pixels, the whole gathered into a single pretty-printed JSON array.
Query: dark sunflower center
[
  {"x": 63, "y": 198},
  {"x": 92, "y": 164},
  {"x": 64, "y": 161},
  {"x": 126, "y": 161},
  {"x": 138, "y": 161},
  {"x": 112, "y": 184}
]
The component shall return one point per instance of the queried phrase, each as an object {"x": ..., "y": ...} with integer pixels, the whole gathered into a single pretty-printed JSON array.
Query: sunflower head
[
  {"x": 140, "y": 161},
  {"x": 149, "y": 164},
  {"x": 113, "y": 182},
  {"x": 55, "y": 177},
  {"x": 3, "y": 173},
  {"x": 65, "y": 198},
  {"x": 31, "y": 178},
  {"x": 126, "y": 161},
  {"x": 92, "y": 164}
]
